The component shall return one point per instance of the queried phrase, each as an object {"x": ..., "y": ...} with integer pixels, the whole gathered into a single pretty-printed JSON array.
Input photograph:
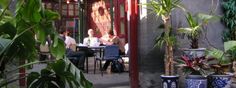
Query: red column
[
  {"x": 22, "y": 82},
  {"x": 134, "y": 76}
]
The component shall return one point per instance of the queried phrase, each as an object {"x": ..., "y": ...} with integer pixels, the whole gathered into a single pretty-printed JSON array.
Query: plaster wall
[{"x": 151, "y": 63}]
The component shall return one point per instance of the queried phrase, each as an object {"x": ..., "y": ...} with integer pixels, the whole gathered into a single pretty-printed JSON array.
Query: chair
[
  {"x": 44, "y": 52},
  {"x": 111, "y": 52}
]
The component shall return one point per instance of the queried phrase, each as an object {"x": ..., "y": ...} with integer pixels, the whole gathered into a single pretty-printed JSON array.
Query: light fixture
[
  {"x": 75, "y": 0},
  {"x": 68, "y": 1}
]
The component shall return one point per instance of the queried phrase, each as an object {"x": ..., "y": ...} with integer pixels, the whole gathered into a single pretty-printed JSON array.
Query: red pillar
[
  {"x": 134, "y": 76},
  {"x": 22, "y": 82}
]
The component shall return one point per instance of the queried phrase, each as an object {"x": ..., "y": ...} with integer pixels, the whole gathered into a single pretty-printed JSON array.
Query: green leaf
[
  {"x": 41, "y": 35},
  {"x": 185, "y": 30},
  {"x": 45, "y": 72},
  {"x": 59, "y": 50},
  {"x": 4, "y": 3},
  {"x": 4, "y": 43},
  {"x": 8, "y": 28},
  {"x": 215, "y": 53},
  {"x": 206, "y": 18},
  {"x": 229, "y": 45},
  {"x": 51, "y": 15},
  {"x": 31, "y": 77},
  {"x": 58, "y": 66}
]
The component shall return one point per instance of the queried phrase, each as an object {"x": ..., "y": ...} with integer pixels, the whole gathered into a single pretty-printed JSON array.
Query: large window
[{"x": 70, "y": 10}]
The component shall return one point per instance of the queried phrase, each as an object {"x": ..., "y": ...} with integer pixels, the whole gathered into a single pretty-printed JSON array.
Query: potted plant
[
  {"x": 196, "y": 24},
  {"x": 196, "y": 70},
  {"x": 163, "y": 9},
  {"x": 221, "y": 78}
]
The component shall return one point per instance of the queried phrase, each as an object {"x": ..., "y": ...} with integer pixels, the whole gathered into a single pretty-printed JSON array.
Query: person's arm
[{"x": 105, "y": 42}]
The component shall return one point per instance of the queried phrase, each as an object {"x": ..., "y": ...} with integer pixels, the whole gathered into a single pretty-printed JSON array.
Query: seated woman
[{"x": 110, "y": 39}]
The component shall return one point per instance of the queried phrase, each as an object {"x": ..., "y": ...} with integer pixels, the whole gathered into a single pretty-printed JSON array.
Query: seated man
[
  {"x": 90, "y": 41},
  {"x": 71, "y": 49}
]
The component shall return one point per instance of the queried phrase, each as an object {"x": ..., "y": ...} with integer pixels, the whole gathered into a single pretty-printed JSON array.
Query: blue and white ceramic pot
[
  {"x": 169, "y": 81},
  {"x": 196, "y": 81},
  {"x": 193, "y": 53},
  {"x": 220, "y": 81}
]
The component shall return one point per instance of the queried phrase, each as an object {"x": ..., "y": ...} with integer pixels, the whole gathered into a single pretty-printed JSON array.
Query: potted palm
[
  {"x": 196, "y": 70},
  {"x": 163, "y": 8},
  {"x": 221, "y": 78},
  {"x": 196, "y": 24}
]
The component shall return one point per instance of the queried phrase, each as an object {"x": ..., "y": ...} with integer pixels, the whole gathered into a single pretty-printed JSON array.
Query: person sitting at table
[
  {"x": 110, "y": 39},
  {"x": 90, "y": 41},
  {"x": 70, "y": 44}
]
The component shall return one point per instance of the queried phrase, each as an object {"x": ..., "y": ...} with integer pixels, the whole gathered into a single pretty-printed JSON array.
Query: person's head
[
  {"x": 64, "y": 32},
  {"x": 90, "y": 32},
  {"x": 110, "y": 32}
]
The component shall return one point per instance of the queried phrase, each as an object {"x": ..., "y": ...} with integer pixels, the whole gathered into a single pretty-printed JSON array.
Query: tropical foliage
[
  {"x": 196, "y": 24},
  {"x": 194, "y": 66},
  {"x": 21, "y": 29},
  {"x": 222, "y": 58},
  {"x": 163, "y": 9}
]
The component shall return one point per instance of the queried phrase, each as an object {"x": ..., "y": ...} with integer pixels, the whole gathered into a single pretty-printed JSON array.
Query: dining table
[{"x": 97, "y": 50}]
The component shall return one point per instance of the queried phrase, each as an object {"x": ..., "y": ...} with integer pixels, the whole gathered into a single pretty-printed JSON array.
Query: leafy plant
[
  {"x": 194, "y": 66},
  {"x": 222, "y": 58},
  {"x": 163, "y": 8},
  {"x": 19, "y": 31},
  {"x": 229, "y": 19},
  {"x": 195, "y": 27}
]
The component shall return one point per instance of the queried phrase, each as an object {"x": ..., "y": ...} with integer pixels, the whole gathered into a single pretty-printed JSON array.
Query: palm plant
[
  {"x": 196, "y": 24},
  {"x": 19, "y": 32},
  {"x": 163, "y": 8}
]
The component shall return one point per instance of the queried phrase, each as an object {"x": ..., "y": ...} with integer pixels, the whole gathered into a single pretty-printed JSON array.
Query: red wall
[{"x": 99, "y": 18}]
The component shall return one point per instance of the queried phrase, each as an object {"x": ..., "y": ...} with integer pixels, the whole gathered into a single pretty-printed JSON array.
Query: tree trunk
[
  {"x": 194, "y": 43},
  {"x": 169, "y": 67}
]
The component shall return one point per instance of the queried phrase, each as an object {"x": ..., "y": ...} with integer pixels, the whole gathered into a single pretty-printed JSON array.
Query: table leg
[{"x": 87, "y": 64}]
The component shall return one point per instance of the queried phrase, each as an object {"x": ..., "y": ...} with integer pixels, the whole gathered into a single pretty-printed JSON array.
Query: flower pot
[
  {"x": 169, "y": 81},
  {"x": 196, "y": 81},
  {"x": 219, "y": 81},
  {"x": 193, "y": 53}
]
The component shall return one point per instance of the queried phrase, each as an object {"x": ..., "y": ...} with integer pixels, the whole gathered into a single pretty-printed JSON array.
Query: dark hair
[
  {"x": 111, "y": 32},
  {"x": 62, "y": 31}
]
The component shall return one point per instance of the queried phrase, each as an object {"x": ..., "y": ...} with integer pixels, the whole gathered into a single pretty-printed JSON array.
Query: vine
[{"x": 229, "y": 19}]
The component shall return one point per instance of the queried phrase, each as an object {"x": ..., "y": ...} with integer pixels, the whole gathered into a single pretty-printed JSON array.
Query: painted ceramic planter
[
  {"x": 196, "y": 81},
  {"x": 220, "y": 81},
  {"x": 169, "y": 81},
  {"x": 193, "y": 53}
]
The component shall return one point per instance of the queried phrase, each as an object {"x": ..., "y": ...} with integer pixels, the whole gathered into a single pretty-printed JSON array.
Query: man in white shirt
[
  {"x": 91, "y": 40},
  {"x": 70, "y": 44}
]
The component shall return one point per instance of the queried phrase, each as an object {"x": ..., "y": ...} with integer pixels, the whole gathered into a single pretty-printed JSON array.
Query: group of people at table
[{"x": 108, "y": 39}]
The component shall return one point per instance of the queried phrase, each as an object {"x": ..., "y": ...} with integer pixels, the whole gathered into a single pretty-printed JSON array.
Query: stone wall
[{"x": 151, "y": 63}]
